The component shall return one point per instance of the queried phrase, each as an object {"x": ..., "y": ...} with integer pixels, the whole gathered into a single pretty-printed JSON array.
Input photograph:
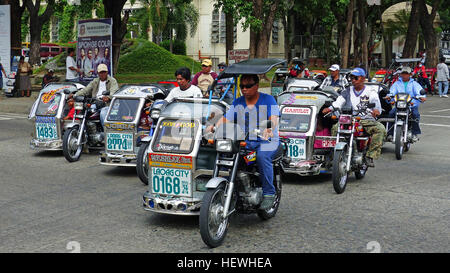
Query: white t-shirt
[
  {"x": 71, "y": 74},
  {"x": 355, "y": 98},
  {"x": 191, "y": 92},
  {"x": 101, "y": 89}
]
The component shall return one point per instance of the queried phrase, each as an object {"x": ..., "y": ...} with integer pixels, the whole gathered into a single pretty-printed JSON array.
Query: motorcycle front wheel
[
  {"x": 142, "y": 163},
  {"x": 340, "y": 175},
  {"x": 213, "y": 226},
  {"x": 71, "y": 150},
  {"x": 399, "y": 142}
]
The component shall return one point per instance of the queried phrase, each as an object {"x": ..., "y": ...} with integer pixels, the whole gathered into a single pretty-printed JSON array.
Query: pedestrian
[
  {"x": 442, "y": 78},
  {"x": 204, "y": 78},
  {"x": 2, "y": 70},
  {"x": 25, "y": 71},
  {"x": 72, "y": 70},
  {"x": 335, "y": 78},
  {"x": 49, "y": 77}
]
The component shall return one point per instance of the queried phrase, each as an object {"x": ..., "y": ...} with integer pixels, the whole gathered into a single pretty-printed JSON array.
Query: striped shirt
[{"x": 342, "y": 82}]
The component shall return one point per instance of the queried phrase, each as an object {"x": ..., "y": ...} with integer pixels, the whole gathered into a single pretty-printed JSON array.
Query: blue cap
[{"x": 358, "y": 72}]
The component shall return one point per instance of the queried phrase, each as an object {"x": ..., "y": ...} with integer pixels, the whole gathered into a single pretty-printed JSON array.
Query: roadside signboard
[
  {"x": 238, "y": 55},
  {"x": 94, "y": 46}
]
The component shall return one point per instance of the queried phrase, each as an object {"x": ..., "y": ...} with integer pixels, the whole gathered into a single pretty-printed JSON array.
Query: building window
[
  {"x": 275, "y": 30},
  {"x": 218, "y": 28}
]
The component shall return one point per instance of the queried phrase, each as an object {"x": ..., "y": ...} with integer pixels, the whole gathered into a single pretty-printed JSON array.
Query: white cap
[
  {"x": 334, "y": 67},
  {"x": 102, "y": 68}
]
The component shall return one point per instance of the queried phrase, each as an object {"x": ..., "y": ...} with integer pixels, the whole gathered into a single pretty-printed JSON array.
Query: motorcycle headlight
[
  {"x": 224, "y": 146},
  {"x": 9, "y": 83},
  {"x": 345, "y": 119},
  {"x": 401, "y": 104},
  {"x": 155, "y": 114}
]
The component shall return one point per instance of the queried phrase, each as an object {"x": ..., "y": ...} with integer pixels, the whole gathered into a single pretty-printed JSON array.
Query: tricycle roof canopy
[
  {"x": 252, "y": 66},
  {"x": 138, "y": 90}
]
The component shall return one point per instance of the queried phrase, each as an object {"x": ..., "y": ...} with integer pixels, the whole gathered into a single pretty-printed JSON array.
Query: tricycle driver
[
  {"x": 352, "y": 97},
  {"x": 95, "y": 89},
  {"x": 248, "y": 111}
]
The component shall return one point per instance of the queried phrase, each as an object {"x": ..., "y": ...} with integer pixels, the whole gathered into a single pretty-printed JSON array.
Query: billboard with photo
[
  {"x": 5, "y": 41},
  {"x": 94, "y": 46}
]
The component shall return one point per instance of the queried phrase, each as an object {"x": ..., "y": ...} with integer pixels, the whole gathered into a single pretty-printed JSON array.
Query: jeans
[
  {"x": 445, "y": 84},
  {"x": 415, "y": 128},
  {"x": 265, "y": 153}
]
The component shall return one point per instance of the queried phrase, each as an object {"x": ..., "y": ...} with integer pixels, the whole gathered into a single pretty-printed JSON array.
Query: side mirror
[
  {"x": 422, "y": 92},
  {"x": 105, "y": 93},
  {"x": 66, "y": 91},
  {"x": 79, "y": 99}
]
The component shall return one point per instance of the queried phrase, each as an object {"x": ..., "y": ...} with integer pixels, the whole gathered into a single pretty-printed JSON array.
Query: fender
[
  {"x": 146, "y": 139},
  {"x": 71, "y": 125},
  {"x": 215, "y": 182},
  {"x": 340, "y": 146}
]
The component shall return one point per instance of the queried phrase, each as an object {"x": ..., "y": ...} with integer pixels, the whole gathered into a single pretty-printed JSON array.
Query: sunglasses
[
  {"x": 221, "y": 67},
  {"x": 354, "y": 78},
  {"x": 247, "y": 86}
]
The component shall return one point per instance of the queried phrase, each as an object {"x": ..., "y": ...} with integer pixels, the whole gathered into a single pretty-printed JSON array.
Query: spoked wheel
[
  {"x": 142, "y": 163},
  {"x": 71, "y": 150},
  {"x": 213, "y": 226},
  {"x": 340, "y": 175},
  {"x": 399, "y": 145},
  {"x": 269, "y": 213}
]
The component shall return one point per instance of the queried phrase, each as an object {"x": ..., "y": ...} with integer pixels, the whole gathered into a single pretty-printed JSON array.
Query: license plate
[
  {"x": 297, "y": 148},
  {"x": 171, "y": 181},
  {"x": 119, "y": 142},
  {"x": 46, "y": 131}
]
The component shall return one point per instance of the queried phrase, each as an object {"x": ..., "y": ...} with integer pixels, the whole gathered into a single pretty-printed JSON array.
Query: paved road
[{"x": 404, "y": 206}]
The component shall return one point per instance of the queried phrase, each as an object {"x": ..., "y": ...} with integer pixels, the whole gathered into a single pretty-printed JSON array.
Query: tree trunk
[
  {"x": 362, "y": 12},
  {"x": 229, "y": 29},
  {"x": 259, "y": 40},
  {"x": 429, "y": 33},
  {"x": 413, "y": 30},
  {"x": 36, "y": 23},
  {"x": 347, "y": 35},
  {"x": 113, "y": 9},
  {"x": 16, "y": 26}
]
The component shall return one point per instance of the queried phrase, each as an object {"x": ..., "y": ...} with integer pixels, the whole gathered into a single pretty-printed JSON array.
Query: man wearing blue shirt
[
  {"x": 248, "y": 111},
  {"x": 405, "y": 84}
]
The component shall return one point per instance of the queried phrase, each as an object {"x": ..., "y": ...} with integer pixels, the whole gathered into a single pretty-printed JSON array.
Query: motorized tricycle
[
  {"x": 310, "y": 144},
  {"x": 179, "y": 158},
  {"x": 401, "y": 124},
  {"x": 47, "y": 114},
  {"x": 128, "y": 122},
  {"x": 279, "y": 81}
]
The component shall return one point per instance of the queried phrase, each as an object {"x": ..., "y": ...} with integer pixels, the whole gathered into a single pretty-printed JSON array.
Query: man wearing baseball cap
[
  {"x": 335, "y": 79},
  {"x": 204, "y": 78},
  {"x": 405, "y": 84},
  {"x": 96, "y": 87},
  {"x": 352, "y": 97},
  {"x": 48, "y": 78}
]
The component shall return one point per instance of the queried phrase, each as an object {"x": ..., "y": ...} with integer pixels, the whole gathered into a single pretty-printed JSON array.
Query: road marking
[
  {"x": 10, "y": 116},
  {"x": 437, "y": 125},
  {"x": 437, "y": 111},
  {"x": 435, "y": 116}
]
